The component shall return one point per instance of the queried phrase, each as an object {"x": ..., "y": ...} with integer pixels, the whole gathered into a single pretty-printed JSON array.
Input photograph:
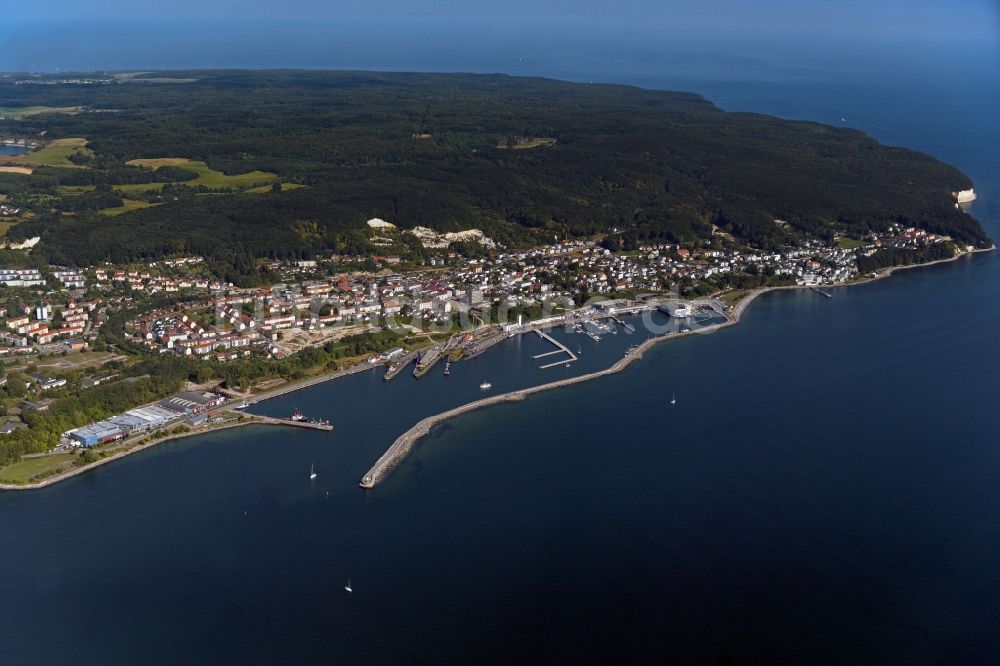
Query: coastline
[
  {"x": 403, "y": 444},
  {"x": 401, "y": 447},
  {"x": 62, "y": 476}
]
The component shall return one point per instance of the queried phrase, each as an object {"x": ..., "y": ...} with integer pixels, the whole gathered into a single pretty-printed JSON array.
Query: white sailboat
[
  {"x": 312, "y": 471},
  {"x": 348, "y": 586},
  {"x": 673, "y": 398},
  {"x": 485, "y": 385}
]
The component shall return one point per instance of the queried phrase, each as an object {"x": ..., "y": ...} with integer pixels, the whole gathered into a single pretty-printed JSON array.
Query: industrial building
[
  {"x": 96, "y": 433},
  {"x": 191, "y": 402},
  {"x": 678, "y": 309},
  {"x": 144, "y": 418},
  {"x": 153, "y": 415}
]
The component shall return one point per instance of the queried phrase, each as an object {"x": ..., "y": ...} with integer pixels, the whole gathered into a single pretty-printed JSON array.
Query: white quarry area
[
  {"x": 432, "y": 239},
  {"x": 376, "y": 223},
  {"x": 30, "y": 243},
  {"x": 965, "y": 196}
]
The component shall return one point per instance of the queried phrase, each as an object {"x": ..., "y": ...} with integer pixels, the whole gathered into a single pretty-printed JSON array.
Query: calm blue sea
[{"x": 824, "y": 491}]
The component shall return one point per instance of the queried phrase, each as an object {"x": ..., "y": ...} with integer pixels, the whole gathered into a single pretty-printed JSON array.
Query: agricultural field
[
  {"x": 127, "y": 205},
  {"x": 155, "y": 163},
  {"x": 55, "y": 153},
  {"x": 267, "y": 188},
  {"x": 21, "y": 112},
  {"x": 207, "y": 176}
]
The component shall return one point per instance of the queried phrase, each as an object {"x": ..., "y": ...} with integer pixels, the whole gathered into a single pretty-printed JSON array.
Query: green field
[
  {"x": 21, "y": 472},
  {"x": 207, "y": 176},
  {"x": 21, "y": 112},
  {"x": 76, "y": 360},
  {"x": 73, "y": 190},
  {"x": 850, "y": 243},
  {"x": 5, "y": 225},
  {"x": 127, "y": 205},
  {"x": 267, "y": 188},
  {"x": 733, "y": 297},
  {"x": 56, "y": 153}
]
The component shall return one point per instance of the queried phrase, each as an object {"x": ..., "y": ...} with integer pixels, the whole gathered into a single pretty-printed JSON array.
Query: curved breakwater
[{"x": 400, "y": 448}]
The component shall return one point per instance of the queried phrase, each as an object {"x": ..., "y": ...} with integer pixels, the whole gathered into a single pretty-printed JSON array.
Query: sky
[{"x": 457, "y": 34}]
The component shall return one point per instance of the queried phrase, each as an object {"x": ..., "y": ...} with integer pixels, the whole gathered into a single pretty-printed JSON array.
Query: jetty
[
  {"x": 312, "y": 425},
  {"x": 484, "y": 344},
  {"x": 821, "y": 292},
  {"x": 399, "y": 366},
  {"x": 427, "y": 361},
  {"x": 592, "y": 329},
  {"x": 560, "y": 349},
  {"x": 629, "y": 328}
]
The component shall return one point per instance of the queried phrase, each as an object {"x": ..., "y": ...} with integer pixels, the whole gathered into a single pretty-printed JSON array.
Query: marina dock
[
  {"x": 628, "y": 327},
  {"x": 560, "y": 349},
  {"x": 268, "y": 420}
]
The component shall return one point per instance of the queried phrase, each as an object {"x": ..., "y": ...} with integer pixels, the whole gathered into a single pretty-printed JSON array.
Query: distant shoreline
[
  {"x": 403, "y": 444},
  {"x": 75, "y": 471}
]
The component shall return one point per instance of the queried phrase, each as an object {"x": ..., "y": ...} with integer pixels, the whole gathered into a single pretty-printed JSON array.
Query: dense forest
[
  {"x": 892, "y": 257},
  {"x": 521, "y": 158}
]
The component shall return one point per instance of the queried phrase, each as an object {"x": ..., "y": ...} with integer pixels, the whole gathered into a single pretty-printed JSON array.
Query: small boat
[
  {"x": 312, "y": 471},
  {"x": 348, "y": 586},
  {"x": 242, "y": 405},
  {"x": 673, "y": 398},
  {"x": 485, "y": 385},
  {"x": 447, "y": 368},
  {"x": 297, "y": 416}
]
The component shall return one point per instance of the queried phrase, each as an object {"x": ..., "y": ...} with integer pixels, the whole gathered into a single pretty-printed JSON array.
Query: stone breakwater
[{"x": 405, "y": 442}]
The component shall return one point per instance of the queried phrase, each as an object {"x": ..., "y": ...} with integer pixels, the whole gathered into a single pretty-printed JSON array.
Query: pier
[
  {"x": 485, "y": 343},
  {"x": 399, "y": 366},
  {"x": 269, "y": 420},
  {"x": 628, "y": 327},
  {"x": 560, "y": 349},
  {"x": 427, "y": 361},
  {"x": 821, "y": 292},
  {"x": 593, "y": 329}
]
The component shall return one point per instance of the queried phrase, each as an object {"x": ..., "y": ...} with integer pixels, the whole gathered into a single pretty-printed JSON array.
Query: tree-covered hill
[{"x": 453, "y": 151}]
